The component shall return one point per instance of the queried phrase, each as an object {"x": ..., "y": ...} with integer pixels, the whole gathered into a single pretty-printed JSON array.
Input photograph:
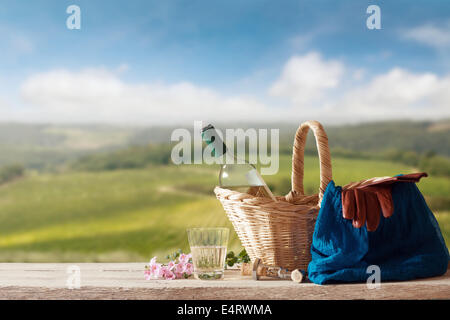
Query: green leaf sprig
[{"x": 232, "y": 259}]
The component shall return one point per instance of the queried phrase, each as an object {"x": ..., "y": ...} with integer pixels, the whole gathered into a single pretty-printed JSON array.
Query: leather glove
[{"x": 363, "y": 201}]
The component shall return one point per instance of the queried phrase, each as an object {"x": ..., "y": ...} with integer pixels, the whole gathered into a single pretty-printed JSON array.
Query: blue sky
[{"x": 215, "y": 51}]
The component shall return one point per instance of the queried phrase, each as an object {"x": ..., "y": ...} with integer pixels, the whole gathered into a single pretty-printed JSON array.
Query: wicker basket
[{"x": 280, "y": 233}]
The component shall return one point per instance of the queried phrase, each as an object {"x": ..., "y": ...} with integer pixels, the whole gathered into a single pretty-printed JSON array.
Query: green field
[{"x": 132, "y": 215}]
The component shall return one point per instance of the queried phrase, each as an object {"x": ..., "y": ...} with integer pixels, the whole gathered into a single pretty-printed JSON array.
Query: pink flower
[
  {"x": 169, "y": 275},
  {"x": 184, "y": 258},
  {"x": 173, "y": 270},
  {"x": 152, "y": 261},
  {"x": 188, "y": 268},
  {"x": 179, "y": 268},
  {"x": 171, "y": 265},
  {"x": 162, "y": 271},
  {"x": 154, "y": 270},
  {"x": 165, "y": 273}
]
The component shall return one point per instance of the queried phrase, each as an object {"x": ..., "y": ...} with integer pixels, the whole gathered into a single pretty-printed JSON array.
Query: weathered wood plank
[{"x": 125, "y": 281}]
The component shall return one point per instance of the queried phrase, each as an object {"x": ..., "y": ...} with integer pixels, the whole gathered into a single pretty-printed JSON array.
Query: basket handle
[{"x": 299, "y": 153}]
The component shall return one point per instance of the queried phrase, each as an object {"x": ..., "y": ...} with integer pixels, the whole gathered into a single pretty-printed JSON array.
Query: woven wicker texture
[{"x": 280, "y": 233}]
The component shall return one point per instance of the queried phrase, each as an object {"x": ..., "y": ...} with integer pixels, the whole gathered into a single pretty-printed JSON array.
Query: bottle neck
[
  {"x": 219, "y": 148},
  {"x": 211, "y": 137}
]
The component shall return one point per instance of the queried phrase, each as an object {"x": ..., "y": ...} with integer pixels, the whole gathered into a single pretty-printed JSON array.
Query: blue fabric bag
[{"x": 406, "y": 246}]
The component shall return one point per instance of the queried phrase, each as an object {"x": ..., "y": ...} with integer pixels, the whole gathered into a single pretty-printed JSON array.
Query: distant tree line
[
  {"x": 429, "y": 162},
  {"x": 11, "y": 172},
  {"x": 134, "y": 157}
]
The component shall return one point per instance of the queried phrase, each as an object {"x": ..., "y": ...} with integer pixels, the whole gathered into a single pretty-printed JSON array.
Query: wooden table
[{"x": 126, "y": 281}]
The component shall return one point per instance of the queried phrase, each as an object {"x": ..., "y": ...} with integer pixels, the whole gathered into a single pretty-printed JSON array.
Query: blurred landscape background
[
  {"x": 111, "y": 193},
  {"x": 89, "y": 99}
]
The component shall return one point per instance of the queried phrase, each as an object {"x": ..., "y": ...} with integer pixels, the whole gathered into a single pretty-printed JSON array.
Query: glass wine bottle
[{"x": 242, "y": 177}]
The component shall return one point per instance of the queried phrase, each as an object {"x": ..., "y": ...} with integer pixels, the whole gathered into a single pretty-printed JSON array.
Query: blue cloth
[{"x": 406, "y": 246}]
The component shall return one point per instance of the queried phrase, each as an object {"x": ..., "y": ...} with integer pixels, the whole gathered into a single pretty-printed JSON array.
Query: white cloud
[
  {"x": 7, "y": 110},
  {"x": 358, "y": 74},
  {"x": 430, "y": 35},
  {"x": 305, "y": 78},
  {"x": 313, "y": 88},
  {"x": 4, "y": 110},
  {"x": 98, "y": 95},
  {"x": 398, "y": 94}
]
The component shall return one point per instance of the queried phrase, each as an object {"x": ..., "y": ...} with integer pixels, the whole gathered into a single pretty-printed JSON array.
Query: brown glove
[{"x": 363, "y": 201}]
